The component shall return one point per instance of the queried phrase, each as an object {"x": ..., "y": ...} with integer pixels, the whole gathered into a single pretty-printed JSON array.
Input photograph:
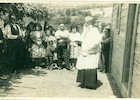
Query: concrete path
[{"x": 44, "y": 83}]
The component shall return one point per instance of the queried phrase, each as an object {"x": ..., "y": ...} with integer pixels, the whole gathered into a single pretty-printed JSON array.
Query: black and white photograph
[{"x": 69, "y": 49}]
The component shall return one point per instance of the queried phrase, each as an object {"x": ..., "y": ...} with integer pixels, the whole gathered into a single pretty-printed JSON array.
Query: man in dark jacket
[{"x": 105, "y": 48}]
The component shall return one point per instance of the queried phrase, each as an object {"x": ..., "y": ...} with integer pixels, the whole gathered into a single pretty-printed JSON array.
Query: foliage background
[{"x": 50, "y": 15}]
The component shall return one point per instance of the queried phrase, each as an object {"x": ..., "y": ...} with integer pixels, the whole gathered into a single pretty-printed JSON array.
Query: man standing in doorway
[{"x": 62, "y": 37}]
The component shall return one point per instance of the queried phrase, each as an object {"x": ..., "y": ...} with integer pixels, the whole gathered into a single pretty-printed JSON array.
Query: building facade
[{"x": 125, "y": 48}]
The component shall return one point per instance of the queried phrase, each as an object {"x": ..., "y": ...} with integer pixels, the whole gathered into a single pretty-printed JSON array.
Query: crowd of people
[{"x": 33, "y": 45}]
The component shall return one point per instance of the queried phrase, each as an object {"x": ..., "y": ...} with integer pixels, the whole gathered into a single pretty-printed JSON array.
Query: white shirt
[
  {"x": 75, "y": 36},
  {"x": 63, "y": 34},
  {"x": 7, "y": 32}
]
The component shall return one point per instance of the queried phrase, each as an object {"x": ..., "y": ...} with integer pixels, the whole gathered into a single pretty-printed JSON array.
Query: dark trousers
[
  {"x": 73, "y": 61},
  {"x": 104, "y": 61},
  {"x": 49, "y": 61},
  {"x": 63, "y": 54}
]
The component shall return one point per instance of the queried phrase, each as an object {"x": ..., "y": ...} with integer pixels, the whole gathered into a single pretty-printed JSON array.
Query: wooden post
[{"x": 133, "y": 50}]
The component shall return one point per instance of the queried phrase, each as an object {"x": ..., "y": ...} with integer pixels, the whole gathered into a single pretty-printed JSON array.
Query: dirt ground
[{"x": 43, "y": 83}]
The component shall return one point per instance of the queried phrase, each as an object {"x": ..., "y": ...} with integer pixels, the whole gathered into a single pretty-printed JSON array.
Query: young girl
[
  {"x": 50, "y": 48},
  {"x": 74, "y": 45},
  {"x": 37, "y": 49}
]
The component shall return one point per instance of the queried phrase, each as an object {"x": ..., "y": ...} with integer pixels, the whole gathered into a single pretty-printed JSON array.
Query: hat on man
[
  {"x": 61, "y": 25},
  {"x": 107, "y": 27},
  {"x": 88, "y": 18}
]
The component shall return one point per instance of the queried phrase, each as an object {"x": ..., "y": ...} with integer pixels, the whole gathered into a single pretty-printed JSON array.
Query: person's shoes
[
  {"x": 18, "y": 71},
  {"x": 90, "y": 87},
  {"x": 106, "y": 72},
  {"x": 63, "y": 63},
  {"x": 74, "y": 68},
  {"x": 103, "y": 71},
  {"x": 71, "y": 67},
  {"x": 82, "y": 86},
  {"x": 68, "y": 68},
  {"x": 55, "y": 66},
  {"x": 47, "y": 67},
  {"x": 42, "y": 63},
  {"x": 36, "y": 67},
  {"x": 51, "y": 67},
  {"x": 60, "y": 67}
]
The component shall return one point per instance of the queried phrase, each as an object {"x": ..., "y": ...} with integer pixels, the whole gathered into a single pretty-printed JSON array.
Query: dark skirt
[
  {"x": 15, "y": 52},
  {"x": 87, "y": 78}
]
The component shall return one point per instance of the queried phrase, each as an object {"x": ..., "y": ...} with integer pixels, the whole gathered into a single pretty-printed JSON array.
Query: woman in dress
[
  {"x": 14, "y": 43},
  {"x": 74, "y": 45},
  {"x": 37, "y": 48},
  {"x": 87, "y": 62}
]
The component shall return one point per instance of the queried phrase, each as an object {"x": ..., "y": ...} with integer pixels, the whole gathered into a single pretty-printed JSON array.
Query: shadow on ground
[
  {"x": 113, "y": 85},
  {"x": 99, "y": 83},
  {"x": 7, "y": 78}
]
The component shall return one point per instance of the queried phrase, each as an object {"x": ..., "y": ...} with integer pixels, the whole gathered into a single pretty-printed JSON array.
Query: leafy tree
[
  {"x": 60, "y": 12},
  {"x": 68, "y": 20},
  {"x": 73, "y": 12},
  {"x": 79, "y": 12},
  {"x": 68, "y": 12},
  {"x": 89, "y": 13},
  {"x": 79, "y": 21},
  {"x": 15, "y": 8},
  {"x": 37, "y": 11},
  {"x": 95, "y": 17}
]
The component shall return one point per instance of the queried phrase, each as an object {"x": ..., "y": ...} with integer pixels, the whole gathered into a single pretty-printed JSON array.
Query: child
[
  {"x": 50, "y": 48},
  {"x": 37, "y": 49},
  {"x": 55, "y": 45},
  {"x": 74, "y": 45}
]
